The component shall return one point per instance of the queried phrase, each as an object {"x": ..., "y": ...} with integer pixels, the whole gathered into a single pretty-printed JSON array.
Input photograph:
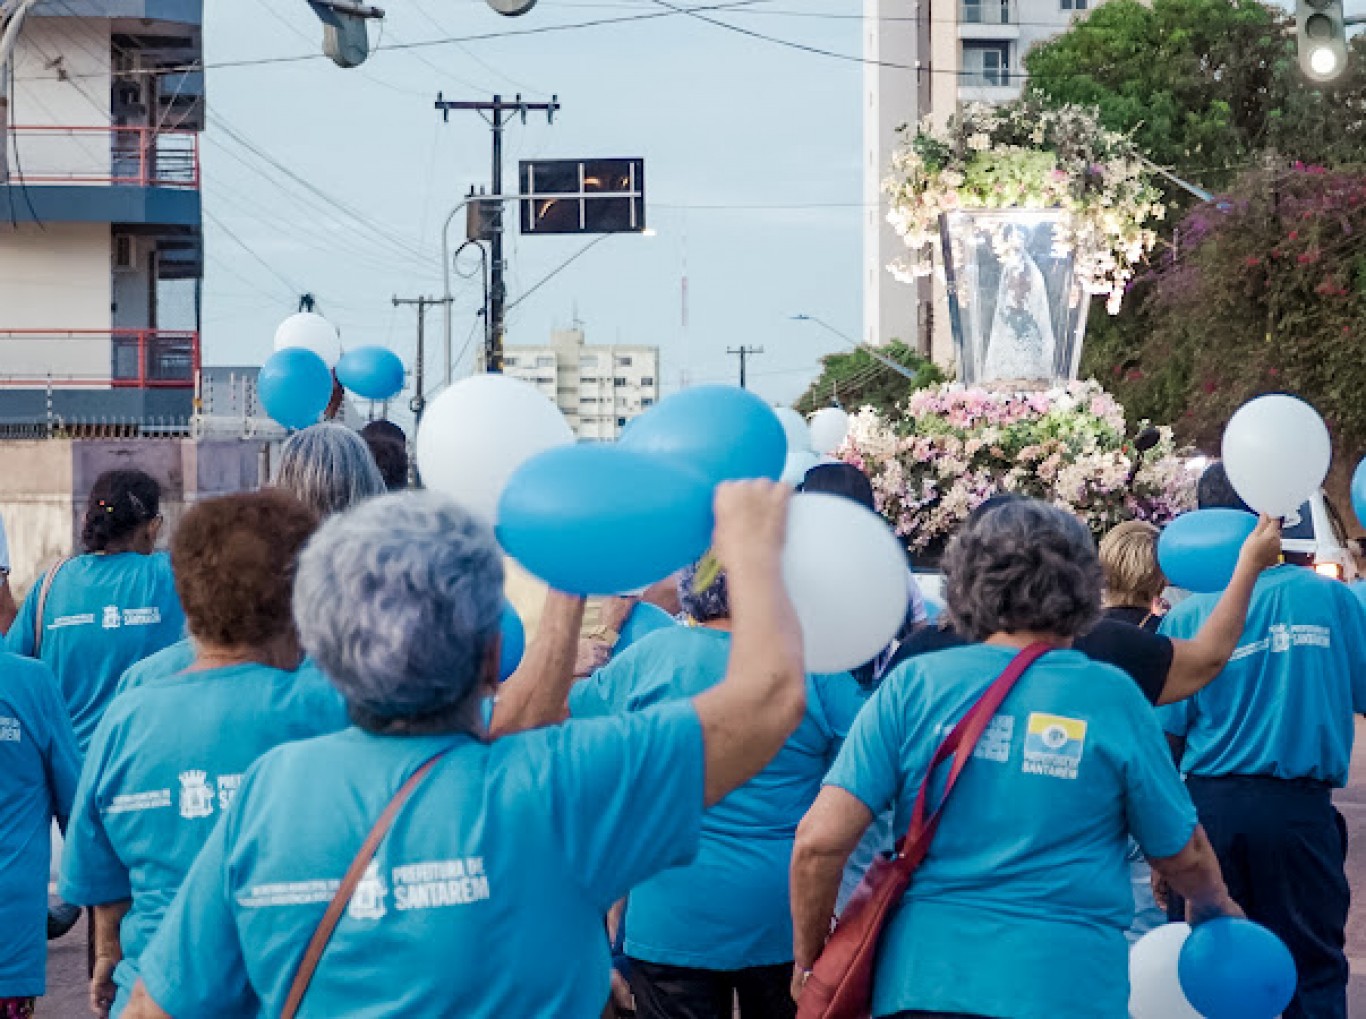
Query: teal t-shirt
[
  {"x": 730, "y": 908},
  {"x": 165, "y": 763},
  {"x": 103, "y": 613},
  {"x": 486, "y": 899},
  {"x": 166, "y": 662},
  {"x": 1283, "y": 706},
  {"x": 39, "y": 765},
  {"x": 1021, "y": 906}
]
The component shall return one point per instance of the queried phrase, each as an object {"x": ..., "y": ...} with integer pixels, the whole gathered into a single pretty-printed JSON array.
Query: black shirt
[
  {"x": 1146, "y": 657},
  {"x": 1148, "y": 620}
]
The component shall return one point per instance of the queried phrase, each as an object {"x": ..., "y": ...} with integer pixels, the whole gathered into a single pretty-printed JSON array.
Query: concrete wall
[
  {"x": 54, "y": 277},
  {"x": 62, "y": 77},
  {"x": 44, "y": 485}
]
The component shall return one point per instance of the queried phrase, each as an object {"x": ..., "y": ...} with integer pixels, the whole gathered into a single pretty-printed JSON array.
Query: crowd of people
[{"x": 289, "y": 781}]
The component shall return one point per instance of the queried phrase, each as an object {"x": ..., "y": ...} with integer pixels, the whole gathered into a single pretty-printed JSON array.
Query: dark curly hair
[
  {"x": 1023, "y": 565},
  {"x": 234, "y": 560},
  {"x": 120, "y": 502}
]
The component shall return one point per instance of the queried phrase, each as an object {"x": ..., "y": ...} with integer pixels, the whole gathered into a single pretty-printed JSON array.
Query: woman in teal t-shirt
[
  {"x": 108, "y": 607},
  {"x": 1071, "y": 764},
  {"x": 169, "y": 755}
]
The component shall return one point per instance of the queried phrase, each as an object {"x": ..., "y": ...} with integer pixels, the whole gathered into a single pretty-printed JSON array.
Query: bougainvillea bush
[
  {"x": 1263, "y": 290},
  {"x": 953, "y": 448}
]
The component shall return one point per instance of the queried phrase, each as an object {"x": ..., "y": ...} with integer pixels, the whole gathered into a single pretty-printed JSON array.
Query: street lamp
[{"x": 876, "y": 355}]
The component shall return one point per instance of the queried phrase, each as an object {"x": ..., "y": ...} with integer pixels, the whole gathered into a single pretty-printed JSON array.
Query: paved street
[{"x": 66, "y": 970}]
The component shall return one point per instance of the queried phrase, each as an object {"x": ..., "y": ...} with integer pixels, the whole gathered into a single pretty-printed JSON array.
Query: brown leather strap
[
  {"x": 41, "y": 607},
  {"x": 328, "y": 924}
]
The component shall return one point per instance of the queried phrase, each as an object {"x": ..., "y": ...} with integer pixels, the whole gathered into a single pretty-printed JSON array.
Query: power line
[{"x": 252, "y": 252}]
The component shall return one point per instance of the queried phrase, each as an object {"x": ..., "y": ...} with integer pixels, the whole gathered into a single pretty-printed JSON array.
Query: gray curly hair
[
  {"x": 1022, "y": 565},
  {"x": 399, "y": 601},
  {"x": 328, "y": 468}
]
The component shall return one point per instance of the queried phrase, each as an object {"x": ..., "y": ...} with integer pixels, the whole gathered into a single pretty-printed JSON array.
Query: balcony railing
[
  {"x": 986, "y": 12},
  {"x": 133, "y": 156},
  {"x": 98, "y": 359}
]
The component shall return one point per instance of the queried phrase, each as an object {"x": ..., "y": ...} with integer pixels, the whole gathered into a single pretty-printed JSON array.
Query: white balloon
[
  {"x": 799, "y": 461},
  {"x": 829, "y": 429},
  {"x": 846, "y": 574},
  {"x": 1277, "y": 452},
  {"x": 312, "y": 332},
  {"x": 477, "y": 433},
  {"x": 1154, "y": 984}
]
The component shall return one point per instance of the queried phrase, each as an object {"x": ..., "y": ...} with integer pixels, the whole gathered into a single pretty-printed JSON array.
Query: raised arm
[
  {"x": 748, "y": 716},
  {"x": 536, "y": 694},
  {"x": 1197, "y": 661}
]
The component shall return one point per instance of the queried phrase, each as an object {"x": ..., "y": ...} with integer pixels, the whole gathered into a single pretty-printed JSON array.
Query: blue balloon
[
  {"x": 723, "y": 432},
  {"x": 375, "y": 373},
  {"x": 1359, "y": 492},
  {"x": 295, "y": 387},
  {"x": 602, "y": 519},
  {"x": 1236, "y": 969},
  {"x": 514, "y": 643},
  {"x": 644, "y": 618},
  {"x": 1199, "y": 550}
]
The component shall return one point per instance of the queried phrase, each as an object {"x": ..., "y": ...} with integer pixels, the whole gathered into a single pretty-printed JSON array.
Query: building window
[
  {"x": 509, "y": 362},
  {"x": 647, "y": 380},
  {"x": 621, "y": 422},
  {"x": 990, "y": 12},
  {"x": 987, "y": 63},
  {"x": 618, "y": 381},
  {"x": 647, "y": 402},
  {"x": 588, "y": 361},
  {"x": 545, "y": 362},
  {"x": 1074, "y": 5},
  {"x": 623, "y": 362},
  {"x": 588, "y": 399}
]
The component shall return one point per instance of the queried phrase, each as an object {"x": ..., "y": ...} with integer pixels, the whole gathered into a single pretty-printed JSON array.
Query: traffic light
[
  {"x": 1321, "y": 35},
  {"x": 483, "y": 219}
]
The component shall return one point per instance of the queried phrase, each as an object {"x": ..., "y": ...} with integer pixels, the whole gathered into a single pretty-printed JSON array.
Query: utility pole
[
  {"x": 495, "y": 114},
  {"x": 743, "y": 352},
  {"x": 419, "y": 401}
]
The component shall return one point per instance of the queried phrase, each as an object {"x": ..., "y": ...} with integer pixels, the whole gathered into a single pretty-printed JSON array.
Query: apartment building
[
  {"x": 924, "y": 58},
  {"x": 598, "y": 387},
  {"x": 101, "y": 255}
]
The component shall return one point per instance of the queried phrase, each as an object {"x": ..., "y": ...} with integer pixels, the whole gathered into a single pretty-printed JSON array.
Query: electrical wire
[{"x": 293, "y": 290}]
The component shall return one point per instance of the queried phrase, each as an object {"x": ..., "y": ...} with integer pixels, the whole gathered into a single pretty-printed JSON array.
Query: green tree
[
  {"x": 1205, "y": 87},
  {"x": 857, "y": 379}
]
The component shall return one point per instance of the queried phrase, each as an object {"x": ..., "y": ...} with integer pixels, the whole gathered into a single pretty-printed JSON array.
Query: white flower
[{"x": 979, "y": 142}]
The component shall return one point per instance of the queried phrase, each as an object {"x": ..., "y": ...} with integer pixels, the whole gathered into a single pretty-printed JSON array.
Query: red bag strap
[
  {"x": 960, "y": 744},
  {"x": 322, "y": 934}
]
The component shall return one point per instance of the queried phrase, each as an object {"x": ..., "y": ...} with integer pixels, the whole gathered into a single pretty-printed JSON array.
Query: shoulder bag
[
  {"x": 841, "y": 982},
  {"x": 41, "y": 608},
  {"x": 328, "y": 924}
]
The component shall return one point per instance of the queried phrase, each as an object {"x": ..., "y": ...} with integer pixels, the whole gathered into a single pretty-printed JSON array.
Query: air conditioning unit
[{"x": 125, "y": 253}]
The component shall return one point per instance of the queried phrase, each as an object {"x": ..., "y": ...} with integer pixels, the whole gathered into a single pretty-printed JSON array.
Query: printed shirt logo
[
  {"x": 113, "y": 618},
  {"x": 10, "y": 730},
  {"x": 368, "y": 901},
  {"x": 196, "y": 798},
  {"x": 1053, "y": 745},
  {"x": 1281, "y": 638}
]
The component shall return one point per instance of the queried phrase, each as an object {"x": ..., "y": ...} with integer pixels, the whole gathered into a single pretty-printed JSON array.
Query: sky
[{"x": 752, "y": 154}]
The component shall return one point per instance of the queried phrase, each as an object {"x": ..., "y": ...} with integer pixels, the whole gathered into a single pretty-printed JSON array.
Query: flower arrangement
[
  {"x": 1025, "y": 154},
  {"x": 956, "y": 447}
]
